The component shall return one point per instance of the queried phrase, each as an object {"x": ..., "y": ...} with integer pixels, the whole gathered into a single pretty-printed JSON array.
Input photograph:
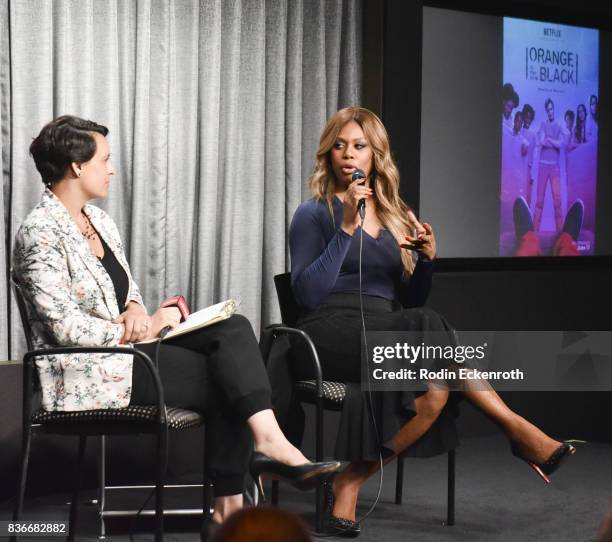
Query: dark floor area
[{"x": 499, "y": 498}]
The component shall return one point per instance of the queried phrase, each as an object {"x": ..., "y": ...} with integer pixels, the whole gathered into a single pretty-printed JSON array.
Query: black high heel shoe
[
  {"x": 544, "y": 470},
  {"x": 343, "y": 527},
  {"x": 208, "y": 529},
  {"x": 303, "y": 477}
]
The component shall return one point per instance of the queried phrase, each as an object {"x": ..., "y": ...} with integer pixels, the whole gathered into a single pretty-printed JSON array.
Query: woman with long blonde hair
[{"x": 396, "y": 271}]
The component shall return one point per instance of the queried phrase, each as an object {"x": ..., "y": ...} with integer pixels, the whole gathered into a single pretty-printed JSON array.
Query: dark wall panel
[{"x": 549, "y": 295}]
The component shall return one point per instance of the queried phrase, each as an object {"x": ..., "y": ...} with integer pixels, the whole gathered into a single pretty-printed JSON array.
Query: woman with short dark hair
[
  {"x": 79, "y": 290},
  {"x": 64, "y": 140}
]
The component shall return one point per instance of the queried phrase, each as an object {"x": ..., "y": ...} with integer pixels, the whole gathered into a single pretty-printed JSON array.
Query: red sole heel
[
  {"x": 539, "y": 472},
  {"x": 549, "y": 466}
]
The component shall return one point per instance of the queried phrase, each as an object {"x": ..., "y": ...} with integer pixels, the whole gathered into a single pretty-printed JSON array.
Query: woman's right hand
[
  {"x": 164, "y": 317},
  {"x": 356, "y": 190}
]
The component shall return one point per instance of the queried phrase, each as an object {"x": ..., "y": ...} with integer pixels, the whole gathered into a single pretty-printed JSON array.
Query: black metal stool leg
[
  {"x": 206, "y": 508},
  {"x": 102, "y": 486},
  {"x": 207, "y": 497},
  {"x": 274, "y": 493},
  {"x": 23, "y": 475},
  {"x": 162, "y": 452},
  {"x": 399, "y": 481},
  {"x": 319, "y": 457},
  {"x": 450, "y": 512},
  {"x": 74, "y": 505}
]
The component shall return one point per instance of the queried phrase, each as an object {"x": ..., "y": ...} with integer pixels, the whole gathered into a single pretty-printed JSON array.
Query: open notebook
[{"x": 202, "y": 318}]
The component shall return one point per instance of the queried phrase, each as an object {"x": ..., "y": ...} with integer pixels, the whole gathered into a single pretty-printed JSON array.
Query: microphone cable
[
  {"x": 339, "y": 532},
  {"x": 367, "y": 361}
]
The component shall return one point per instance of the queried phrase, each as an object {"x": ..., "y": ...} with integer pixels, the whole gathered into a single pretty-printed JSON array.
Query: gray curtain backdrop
[
  {"x": 5, "y": 97},
  {"x": 214, "y": 109}
]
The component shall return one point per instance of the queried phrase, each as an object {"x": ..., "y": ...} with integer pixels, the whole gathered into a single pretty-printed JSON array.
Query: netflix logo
[{"x": 552, "y": 33}]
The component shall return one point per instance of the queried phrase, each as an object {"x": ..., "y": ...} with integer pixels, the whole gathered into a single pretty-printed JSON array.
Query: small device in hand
[{"x": 179, "y": 302}]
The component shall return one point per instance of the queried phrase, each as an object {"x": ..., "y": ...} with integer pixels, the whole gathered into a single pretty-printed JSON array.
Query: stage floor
[{"x": 499, "y": 498}]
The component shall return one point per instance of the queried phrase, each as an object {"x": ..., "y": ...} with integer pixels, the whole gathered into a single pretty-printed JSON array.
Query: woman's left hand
[
  {"x": 136, "y": 323},
  {"x": 424, "y": 243}
]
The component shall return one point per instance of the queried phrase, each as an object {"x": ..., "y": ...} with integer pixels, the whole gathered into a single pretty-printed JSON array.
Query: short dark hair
[
  {"x": 548, "y": 101},
  {"x": 528, "y": 110},
  {"x": 569, "y": 113},
  {"x": 62, "y": 141}
]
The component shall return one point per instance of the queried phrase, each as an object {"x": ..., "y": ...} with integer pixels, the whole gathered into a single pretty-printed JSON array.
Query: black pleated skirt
[{"x": 335, "y": 327}]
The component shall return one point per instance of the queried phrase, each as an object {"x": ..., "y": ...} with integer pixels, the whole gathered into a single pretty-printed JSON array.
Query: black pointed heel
[
  {"x": 545, "y": 469},
  {"x": 260, "y": 490},
  {"x": 346, "y": 528},
  {"x": 303, "y": 477},
  {"x": 209, "y": 529}
]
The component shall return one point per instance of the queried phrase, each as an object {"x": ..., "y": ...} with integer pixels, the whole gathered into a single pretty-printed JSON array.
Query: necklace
[{"x": 90, "y": 232}]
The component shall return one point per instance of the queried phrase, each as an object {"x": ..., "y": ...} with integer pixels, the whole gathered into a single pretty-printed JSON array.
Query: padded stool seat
[
  {"x": 177, "y": 418},
  {"x": 333, "y": 393}
]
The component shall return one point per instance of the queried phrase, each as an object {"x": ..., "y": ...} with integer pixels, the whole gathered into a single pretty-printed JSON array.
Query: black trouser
[{"x": 216, "y": 370}]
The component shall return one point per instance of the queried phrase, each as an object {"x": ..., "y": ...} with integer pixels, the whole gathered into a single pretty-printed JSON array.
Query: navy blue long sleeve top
[{"x": 325, "y": 260}]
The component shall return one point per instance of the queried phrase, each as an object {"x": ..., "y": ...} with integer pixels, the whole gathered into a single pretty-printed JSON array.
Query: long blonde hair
[{"x": 390, "y": 208}]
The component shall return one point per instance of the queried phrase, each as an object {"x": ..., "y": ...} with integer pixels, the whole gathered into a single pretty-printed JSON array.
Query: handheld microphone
[{"x": 361, "y": 204}]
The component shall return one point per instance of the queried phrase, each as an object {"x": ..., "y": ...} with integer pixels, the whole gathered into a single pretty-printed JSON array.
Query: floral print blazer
[{"x": 71, "y": 301}]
